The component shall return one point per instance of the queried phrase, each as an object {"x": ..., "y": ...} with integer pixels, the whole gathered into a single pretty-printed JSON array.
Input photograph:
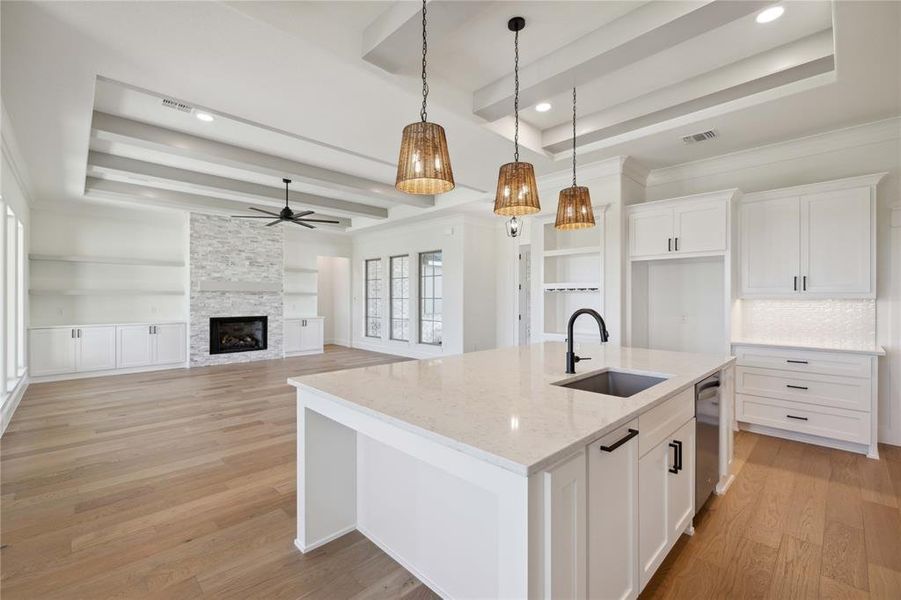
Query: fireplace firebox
[{"x": 238, "y": 334}]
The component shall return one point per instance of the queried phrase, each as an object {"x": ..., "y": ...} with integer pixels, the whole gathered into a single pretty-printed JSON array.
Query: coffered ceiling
[{"x": 319, "y": 92}]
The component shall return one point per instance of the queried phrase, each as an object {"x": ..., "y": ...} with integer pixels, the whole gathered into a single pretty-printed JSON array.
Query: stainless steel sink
[{"x": 613, "y": 383}]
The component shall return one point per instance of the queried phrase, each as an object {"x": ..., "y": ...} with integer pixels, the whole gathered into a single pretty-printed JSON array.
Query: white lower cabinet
[
  {"x": 304, "y": 336},
  {"x": 613, "y": 515},
  {"x": 58, "y": 350},
  {"x": 135, "y": 346},
  {"x": 665, "y": 497},
  {"x": 169, "y": 343}
]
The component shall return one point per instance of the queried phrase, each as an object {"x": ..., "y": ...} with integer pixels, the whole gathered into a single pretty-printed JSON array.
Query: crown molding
[
  {"x": 872, "y": 179},
  {"x": 821, "y": 143}
]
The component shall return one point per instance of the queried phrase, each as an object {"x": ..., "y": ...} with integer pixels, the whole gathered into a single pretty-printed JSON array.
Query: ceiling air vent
[
  {"x": 175, "y": 104},
  {"x": 699, "y": 137}
]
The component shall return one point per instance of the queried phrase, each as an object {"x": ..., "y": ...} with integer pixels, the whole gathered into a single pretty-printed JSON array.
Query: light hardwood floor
[{"x": 180, "y": 484}]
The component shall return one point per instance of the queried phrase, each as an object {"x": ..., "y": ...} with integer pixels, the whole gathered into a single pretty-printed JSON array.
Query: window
[
  {"x": 400, "y": 298},
  {"x": 374, "y": 298},
  {"x": 11, "y": 328},
  {"x": 430, "y": 297},
  {"x": 20, "y": 298}
]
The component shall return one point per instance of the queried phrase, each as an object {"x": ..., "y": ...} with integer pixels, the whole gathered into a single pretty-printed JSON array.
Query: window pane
[
  {"x": 373, "y": 287},
  {"x": 400, "y": 296},
  {"x": 430, "y": 295}
]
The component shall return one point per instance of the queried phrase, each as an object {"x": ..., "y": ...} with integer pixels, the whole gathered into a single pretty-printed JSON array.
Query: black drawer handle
[
  {"x": 632, "y": 433},
  {"x": 796, "y": 418},
  {"x": 797, "y": 362},
  {"x": 796, "y": 387},
  {"x": 677, "y": 458}
]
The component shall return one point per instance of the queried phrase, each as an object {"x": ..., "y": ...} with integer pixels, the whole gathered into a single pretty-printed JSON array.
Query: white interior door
[
  {"x": 770, "y": 247},
  {"x": 700, "y": 227},
  {"x": 650, "y": 232},
  {"x": 169, "y": 343},
  {"x": 96, "y": 348},
  {"x": 835, "y": 242},
  {"x": 52, "y": 351},
  {"x": 135, "y": 346}
]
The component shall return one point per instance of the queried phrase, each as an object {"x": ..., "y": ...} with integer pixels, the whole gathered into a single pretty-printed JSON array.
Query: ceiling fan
[{"x": 285, "y": 214}]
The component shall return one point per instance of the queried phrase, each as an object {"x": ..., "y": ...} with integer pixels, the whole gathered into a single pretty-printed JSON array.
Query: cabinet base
[
  {"x": 106, "y": 372},
  {"x": 870, "y": 451}
]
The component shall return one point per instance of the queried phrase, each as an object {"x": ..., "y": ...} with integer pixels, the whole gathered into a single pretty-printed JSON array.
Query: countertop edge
[
  {"x": 875, "y": 351},
  {"x": 517, "y": 468}
]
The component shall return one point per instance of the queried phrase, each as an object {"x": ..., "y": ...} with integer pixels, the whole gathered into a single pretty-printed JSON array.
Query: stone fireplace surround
[{"x": 236, "y": 269}]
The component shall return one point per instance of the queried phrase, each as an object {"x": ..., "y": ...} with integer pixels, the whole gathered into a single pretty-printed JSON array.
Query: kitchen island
[{"x": 486, "y": 478}]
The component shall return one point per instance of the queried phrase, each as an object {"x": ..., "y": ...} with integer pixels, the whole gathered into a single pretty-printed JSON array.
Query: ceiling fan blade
[
  {"x": 315, "y": 221},
  {"x": 304, "y": 213},
  {"x": 263, "y": 211},
  {"x": 250, "y": 217},
  {"x": 304, "y": 224},
  {"x": 275, "y": 222}
]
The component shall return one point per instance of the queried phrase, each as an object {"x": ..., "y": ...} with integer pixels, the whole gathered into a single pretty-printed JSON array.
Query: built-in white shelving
[
  {"x": 301, "y": 270},
  {"x": 571, "y": 287},
  {"x": 300, "y": 293},
  {"x": 106, "y": 260},
  {"x": 573, "y": 251}
]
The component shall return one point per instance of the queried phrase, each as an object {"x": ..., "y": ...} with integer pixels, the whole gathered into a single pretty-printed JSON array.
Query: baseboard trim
[
  {"x": 403, "y": 562},
  {"x": 107, "y": 373},
  {"x": 12, "y": 403},
  {"x": 322, "y": 541},
  {"x": 304, "y": 353},
  {"x": 808, "y": 439}
]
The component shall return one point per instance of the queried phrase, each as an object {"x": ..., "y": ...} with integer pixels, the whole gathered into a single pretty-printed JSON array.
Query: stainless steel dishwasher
[{"x": 707, "y": 434}]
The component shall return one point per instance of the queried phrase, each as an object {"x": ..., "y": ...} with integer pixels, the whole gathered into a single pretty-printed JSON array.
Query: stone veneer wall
[{"x": 235, "y": 250}]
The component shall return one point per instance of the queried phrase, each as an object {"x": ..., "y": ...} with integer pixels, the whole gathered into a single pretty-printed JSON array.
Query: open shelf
[
  {"x": 573, "y": 251},
  {"x": 99, "y": 292},
  {"x": 300, "y": 293},
  {"x": 300, "y": 270},
  {"x": 106, "y": 260}
]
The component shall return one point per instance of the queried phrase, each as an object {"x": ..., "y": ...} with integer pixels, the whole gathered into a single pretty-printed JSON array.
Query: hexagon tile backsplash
[{"x": 838, "y": 323}]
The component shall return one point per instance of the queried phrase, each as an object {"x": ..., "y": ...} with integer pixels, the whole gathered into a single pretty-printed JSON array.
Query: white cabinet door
[
  {"x": 613, "y": 515},
  {"x": 565, "y": 540},
  {"x": 292, "y": 335},
  {"x": 770, "y": 247},
  {"x": 681, "y": 485},
  {"x": 650, "y": 232},
  {"x": 665, "y": 497},
  {"x": 836, "y": 242},
  {"x": 311, "y": 334},
  {"x": 700, "y": 227},
  {"x": 52, "y": 351},
  {"x": 135, "y": 346},
  {"x": 169, "y": 343},
  {"x": 96, "y": 348}
]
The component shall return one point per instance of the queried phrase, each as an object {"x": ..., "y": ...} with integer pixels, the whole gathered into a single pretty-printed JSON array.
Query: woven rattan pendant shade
[
  {"x": 517, "y": 192},
  {"x": 424, "y": 164},
  {"x": 574, "y": 209}
]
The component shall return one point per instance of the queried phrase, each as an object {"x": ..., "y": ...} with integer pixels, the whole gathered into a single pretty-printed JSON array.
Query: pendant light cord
[
  {"x": 574, "y": 137},
  {"x": 425, "y": 84},
  {"x": 516, "y": 96},
  {"x": 286, "y": 194}
]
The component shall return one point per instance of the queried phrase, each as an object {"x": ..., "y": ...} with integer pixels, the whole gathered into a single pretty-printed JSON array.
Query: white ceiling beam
[
  {"x": 648, "y": 30},
  {"x": 118, "y": 129},
  {"x": 388, "y": 39},
  {"x": 146, "y": 195},
  {"x": 108, "y": 164}
]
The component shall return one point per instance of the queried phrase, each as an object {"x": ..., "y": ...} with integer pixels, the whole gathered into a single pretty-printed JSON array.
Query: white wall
[
  {"x": 334, "y": 298},
  {"x": 869, "y": 148}
]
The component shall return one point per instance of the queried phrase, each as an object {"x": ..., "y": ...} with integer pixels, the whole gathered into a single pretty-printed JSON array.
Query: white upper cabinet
[
  {"x": 835, "y": 241},
  {"x": 813, "y": 241},
  {"x": 770, "y": 237},
  {"x": 680, "y": 227}
]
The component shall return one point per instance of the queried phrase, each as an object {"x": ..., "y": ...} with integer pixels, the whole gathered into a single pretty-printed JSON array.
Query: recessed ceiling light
[
  {"x": 205, "y": 117},
  {"x": 770, "y": 14},
  {"x": 543, "y": 106}
]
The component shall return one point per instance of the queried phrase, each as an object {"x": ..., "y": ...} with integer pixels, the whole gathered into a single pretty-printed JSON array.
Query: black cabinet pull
[
  {"x": 677, "y": 457},
  {"x": 632, "y": 433},
  {"x": 796, "y": 387},
  {"x": 796, "y": 283},
  {"x": 804, "y": 285},
  {"x": 797, "y": 362},
  {"x": 73, "y": 334},
  {"x": 796, "y": 418},
  {"x": 669, "y": 244},
  {"x": 676, "y": 244}
]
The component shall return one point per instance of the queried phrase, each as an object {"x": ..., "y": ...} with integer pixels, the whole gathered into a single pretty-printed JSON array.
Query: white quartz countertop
[
  {"x": 500, "y": 406},
  {"x": 872, "y": 350}
]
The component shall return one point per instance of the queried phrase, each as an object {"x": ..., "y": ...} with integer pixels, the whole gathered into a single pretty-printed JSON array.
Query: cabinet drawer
[
  {"x": 823, "y": 390},
  {"x": 835, "y": 423},
  {"x": 828, "y": 363},
  {"x": 663, "y": 420}
]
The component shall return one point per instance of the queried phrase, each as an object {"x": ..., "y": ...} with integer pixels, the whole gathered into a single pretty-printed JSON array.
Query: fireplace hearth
[{"x": 238, "y": 334}]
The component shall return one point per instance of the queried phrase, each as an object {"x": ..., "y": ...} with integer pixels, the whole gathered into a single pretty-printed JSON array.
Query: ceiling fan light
[
  {"x": 423, "y": 166},
  {"x": 517, "y": 191},
  {"x": 574, "y": 209}
]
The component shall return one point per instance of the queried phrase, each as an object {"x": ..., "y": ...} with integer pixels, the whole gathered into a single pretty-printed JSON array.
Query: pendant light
[
  {"x": 574, "y": 205},
  {"x": 424, "y": 164},
  {"x": 517, "y": 192}
]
